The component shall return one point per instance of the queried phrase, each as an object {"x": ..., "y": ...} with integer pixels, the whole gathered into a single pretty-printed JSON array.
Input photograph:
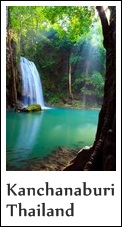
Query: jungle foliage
[{"x": 65, "y": 43}]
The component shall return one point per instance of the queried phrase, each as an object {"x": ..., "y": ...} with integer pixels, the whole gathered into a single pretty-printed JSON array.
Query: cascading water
[{"x": 31, "y": 83}]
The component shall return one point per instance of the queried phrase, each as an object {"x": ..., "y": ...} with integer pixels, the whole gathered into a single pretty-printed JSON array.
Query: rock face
[
  {"x": 32, "y": 108},
  {"x": 102, "y": 155}
]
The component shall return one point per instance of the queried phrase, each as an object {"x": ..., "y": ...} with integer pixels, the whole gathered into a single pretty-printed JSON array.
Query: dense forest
[
  {"x": 74, "y": 50},
  {"x": 65, "y": 43}
]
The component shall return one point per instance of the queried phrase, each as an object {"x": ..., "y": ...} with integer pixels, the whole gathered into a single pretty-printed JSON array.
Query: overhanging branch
[{"x": 105, "y": 25}]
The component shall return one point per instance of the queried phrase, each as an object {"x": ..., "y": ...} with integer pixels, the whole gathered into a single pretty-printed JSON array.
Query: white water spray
[{"x": 31, "y": 84}]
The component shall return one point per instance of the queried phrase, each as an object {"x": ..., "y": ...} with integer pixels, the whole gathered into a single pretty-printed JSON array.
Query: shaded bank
[{"x": 56, "y": 161}]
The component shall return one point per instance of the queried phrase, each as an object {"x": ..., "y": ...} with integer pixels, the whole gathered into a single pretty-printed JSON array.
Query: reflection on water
[
  {"x": 35, "y": 135},
  {"x": 28, "y": 132}
]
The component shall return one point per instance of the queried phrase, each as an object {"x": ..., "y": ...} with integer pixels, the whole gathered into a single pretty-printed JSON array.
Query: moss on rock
[{"x": 32, "y": 107}]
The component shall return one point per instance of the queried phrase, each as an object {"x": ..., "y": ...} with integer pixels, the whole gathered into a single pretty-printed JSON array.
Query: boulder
[{"x": 32, "y": 107}]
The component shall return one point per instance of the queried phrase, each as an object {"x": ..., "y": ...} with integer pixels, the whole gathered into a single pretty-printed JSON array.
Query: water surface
[{"x": 36, "y": 135}]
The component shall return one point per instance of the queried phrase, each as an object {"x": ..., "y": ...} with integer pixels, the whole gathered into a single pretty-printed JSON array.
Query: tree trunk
[
  {"x": 70, "y": 88},
  {"x": 12, "y": 54},
  {"x": 102, "y": 155},
  {"x": 13, "y": 72},
  {"x": 70, "y": 77}
]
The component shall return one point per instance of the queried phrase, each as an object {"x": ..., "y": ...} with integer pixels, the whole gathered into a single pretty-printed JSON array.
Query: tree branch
[{"x": 105, "y": 25}]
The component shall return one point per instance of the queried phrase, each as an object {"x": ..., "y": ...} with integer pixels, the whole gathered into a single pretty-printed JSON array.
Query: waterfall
[{"x": 31, "y": 84}]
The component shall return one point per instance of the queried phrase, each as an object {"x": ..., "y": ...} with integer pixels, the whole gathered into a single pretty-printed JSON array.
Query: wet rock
[{"x": 31, "y": 107}]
